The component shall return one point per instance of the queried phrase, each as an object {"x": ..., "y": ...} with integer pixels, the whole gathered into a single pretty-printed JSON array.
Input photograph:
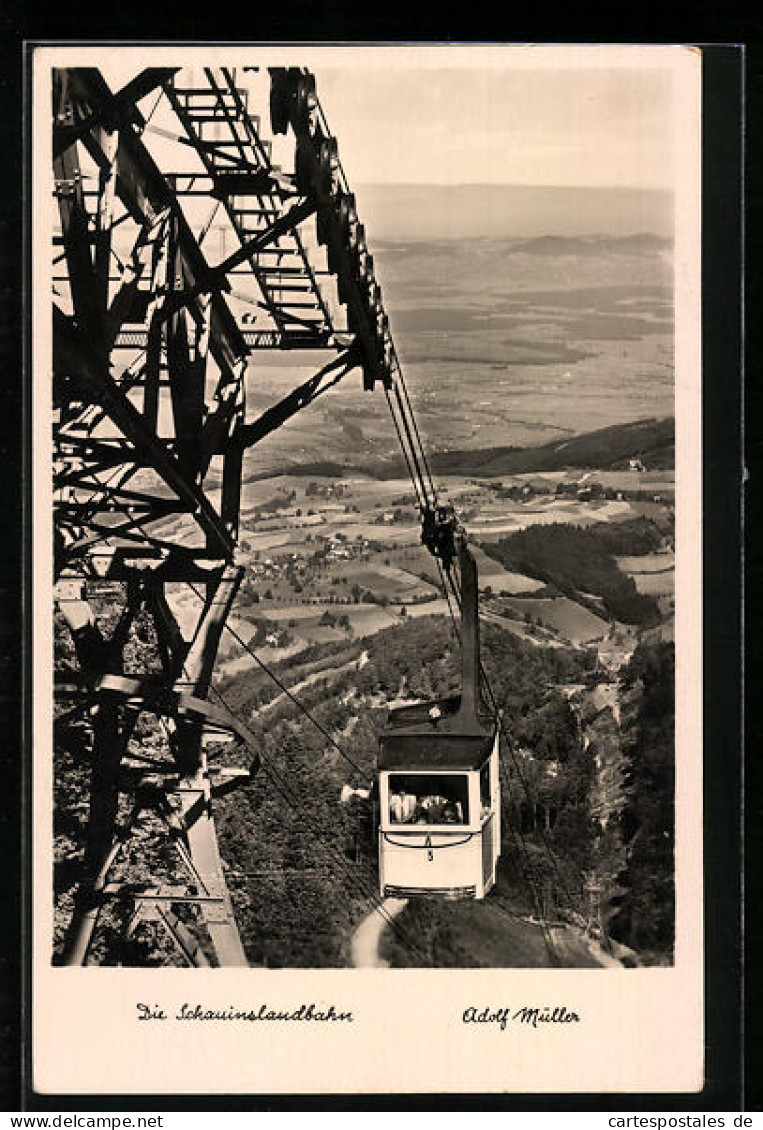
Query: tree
[{"x": 646, "y": 914}]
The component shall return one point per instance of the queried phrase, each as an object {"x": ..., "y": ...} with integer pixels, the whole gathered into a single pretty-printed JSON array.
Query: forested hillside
[
  {"x": 651, "y": 441},
  {"x": 578, "y": 560},
  {"x": 645, "y": 918},
  {"x": 302, "y": 869},
  {"x": 599, "y": 848}
]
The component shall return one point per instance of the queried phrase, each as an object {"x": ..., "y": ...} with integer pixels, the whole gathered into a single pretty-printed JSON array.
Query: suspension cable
[
  {"x": 415, "y": 425},
  {"x": 447, "y": 591},
  {"x": 353, "y": 879},
  {"x": 525, "y": 868},
  {"x": 415, "y": 452},
  {"x": 412, "y": 474},
  {"x": 450, "y": 586}
]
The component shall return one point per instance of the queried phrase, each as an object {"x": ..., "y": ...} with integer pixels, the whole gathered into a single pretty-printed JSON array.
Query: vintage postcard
[{"x": 367, "y": 569}]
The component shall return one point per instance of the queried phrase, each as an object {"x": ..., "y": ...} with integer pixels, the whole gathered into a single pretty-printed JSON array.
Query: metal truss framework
[{"x": 150, "y": 429}]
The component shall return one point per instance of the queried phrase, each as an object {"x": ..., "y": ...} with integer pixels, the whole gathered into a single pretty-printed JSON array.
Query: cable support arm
[{"x": 249, "y": 434}]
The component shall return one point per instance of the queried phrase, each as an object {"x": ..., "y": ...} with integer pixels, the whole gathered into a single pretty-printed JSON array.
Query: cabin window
[
  {"x": 486, "y": 800},
  {"x": 419, "y": 798}
]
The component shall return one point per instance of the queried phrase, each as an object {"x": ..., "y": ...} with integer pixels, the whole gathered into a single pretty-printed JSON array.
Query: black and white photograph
[{"x": 367, "y": 530}]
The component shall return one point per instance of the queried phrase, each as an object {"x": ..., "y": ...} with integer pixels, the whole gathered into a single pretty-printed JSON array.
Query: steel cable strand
[
  {"x": 447, "y": 594},
  {"x": 411, "y": 473},
  {"x": 295, "y": 804},
  {"x": 320, "y": 832},
  {"x": 414, "y": 422},
  {"x": 353, "y": 880},
  {"x": 414, "y": 453},
  {"x": 315, "y": 722}
]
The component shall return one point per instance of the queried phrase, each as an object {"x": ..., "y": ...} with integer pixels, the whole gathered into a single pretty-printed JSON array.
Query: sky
[
  {"x": 596, "y": 115},
  {"x": 564, "y": 118}
]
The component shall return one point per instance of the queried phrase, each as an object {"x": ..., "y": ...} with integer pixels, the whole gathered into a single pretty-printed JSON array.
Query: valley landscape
[
  {"x": 504, "y": 342},
  {"x": 541, "y": 374}
]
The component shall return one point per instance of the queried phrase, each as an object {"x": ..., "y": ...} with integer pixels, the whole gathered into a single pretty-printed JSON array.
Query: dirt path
[{"x": 365, "y": 940}]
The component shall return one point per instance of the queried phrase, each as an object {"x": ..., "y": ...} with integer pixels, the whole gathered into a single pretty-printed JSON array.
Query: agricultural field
[
  {"x": 501, "y": 580},
  {"x": 565, "y": 616},
  {"x": 387, "y": 582},
  {"x": 663, "y": 562},
  {"x": 654, "y": 584},
  {"x": 339, "y": 558},
  {"x": 304, "y": 621},
  {"x": 653, "y": 574},
  {"x": 545, "y": 512},
  {"x": 515, "y": 342}
]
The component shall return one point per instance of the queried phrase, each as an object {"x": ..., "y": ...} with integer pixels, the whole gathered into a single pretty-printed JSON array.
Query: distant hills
[
  {"x": 641, "y": 243},
  {"x": 588, "y": 246},
  {"x": 652, "y": 441}
]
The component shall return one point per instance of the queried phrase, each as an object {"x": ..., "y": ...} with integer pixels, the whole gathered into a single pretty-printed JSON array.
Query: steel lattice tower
[{"x": 150, "y": 357}]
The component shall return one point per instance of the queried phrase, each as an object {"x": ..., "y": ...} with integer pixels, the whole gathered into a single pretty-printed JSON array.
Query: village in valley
[{"x": 330, "y": 559}]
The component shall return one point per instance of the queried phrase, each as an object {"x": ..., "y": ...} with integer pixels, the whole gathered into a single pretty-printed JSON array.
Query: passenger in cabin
[
  {"x": 440, "y": 810},
  {"x": 434, "y": 808},
  {"x": 402, "y": 807}
]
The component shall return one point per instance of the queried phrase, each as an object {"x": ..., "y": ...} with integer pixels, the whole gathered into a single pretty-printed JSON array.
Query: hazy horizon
[{"x": 420, "y": 211}]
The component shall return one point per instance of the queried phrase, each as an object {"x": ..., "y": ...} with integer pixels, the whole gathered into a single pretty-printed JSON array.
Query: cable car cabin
[
  {"x": 438, "y": 787},
  {"x": 439, "y": 817}
]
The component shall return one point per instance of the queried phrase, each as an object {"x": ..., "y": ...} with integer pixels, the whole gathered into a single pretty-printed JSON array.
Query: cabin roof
[{"x": 413, "y": 739}]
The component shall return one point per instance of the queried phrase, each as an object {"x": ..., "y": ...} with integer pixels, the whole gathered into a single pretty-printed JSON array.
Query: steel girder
[{"x": 150, "y": 431}]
